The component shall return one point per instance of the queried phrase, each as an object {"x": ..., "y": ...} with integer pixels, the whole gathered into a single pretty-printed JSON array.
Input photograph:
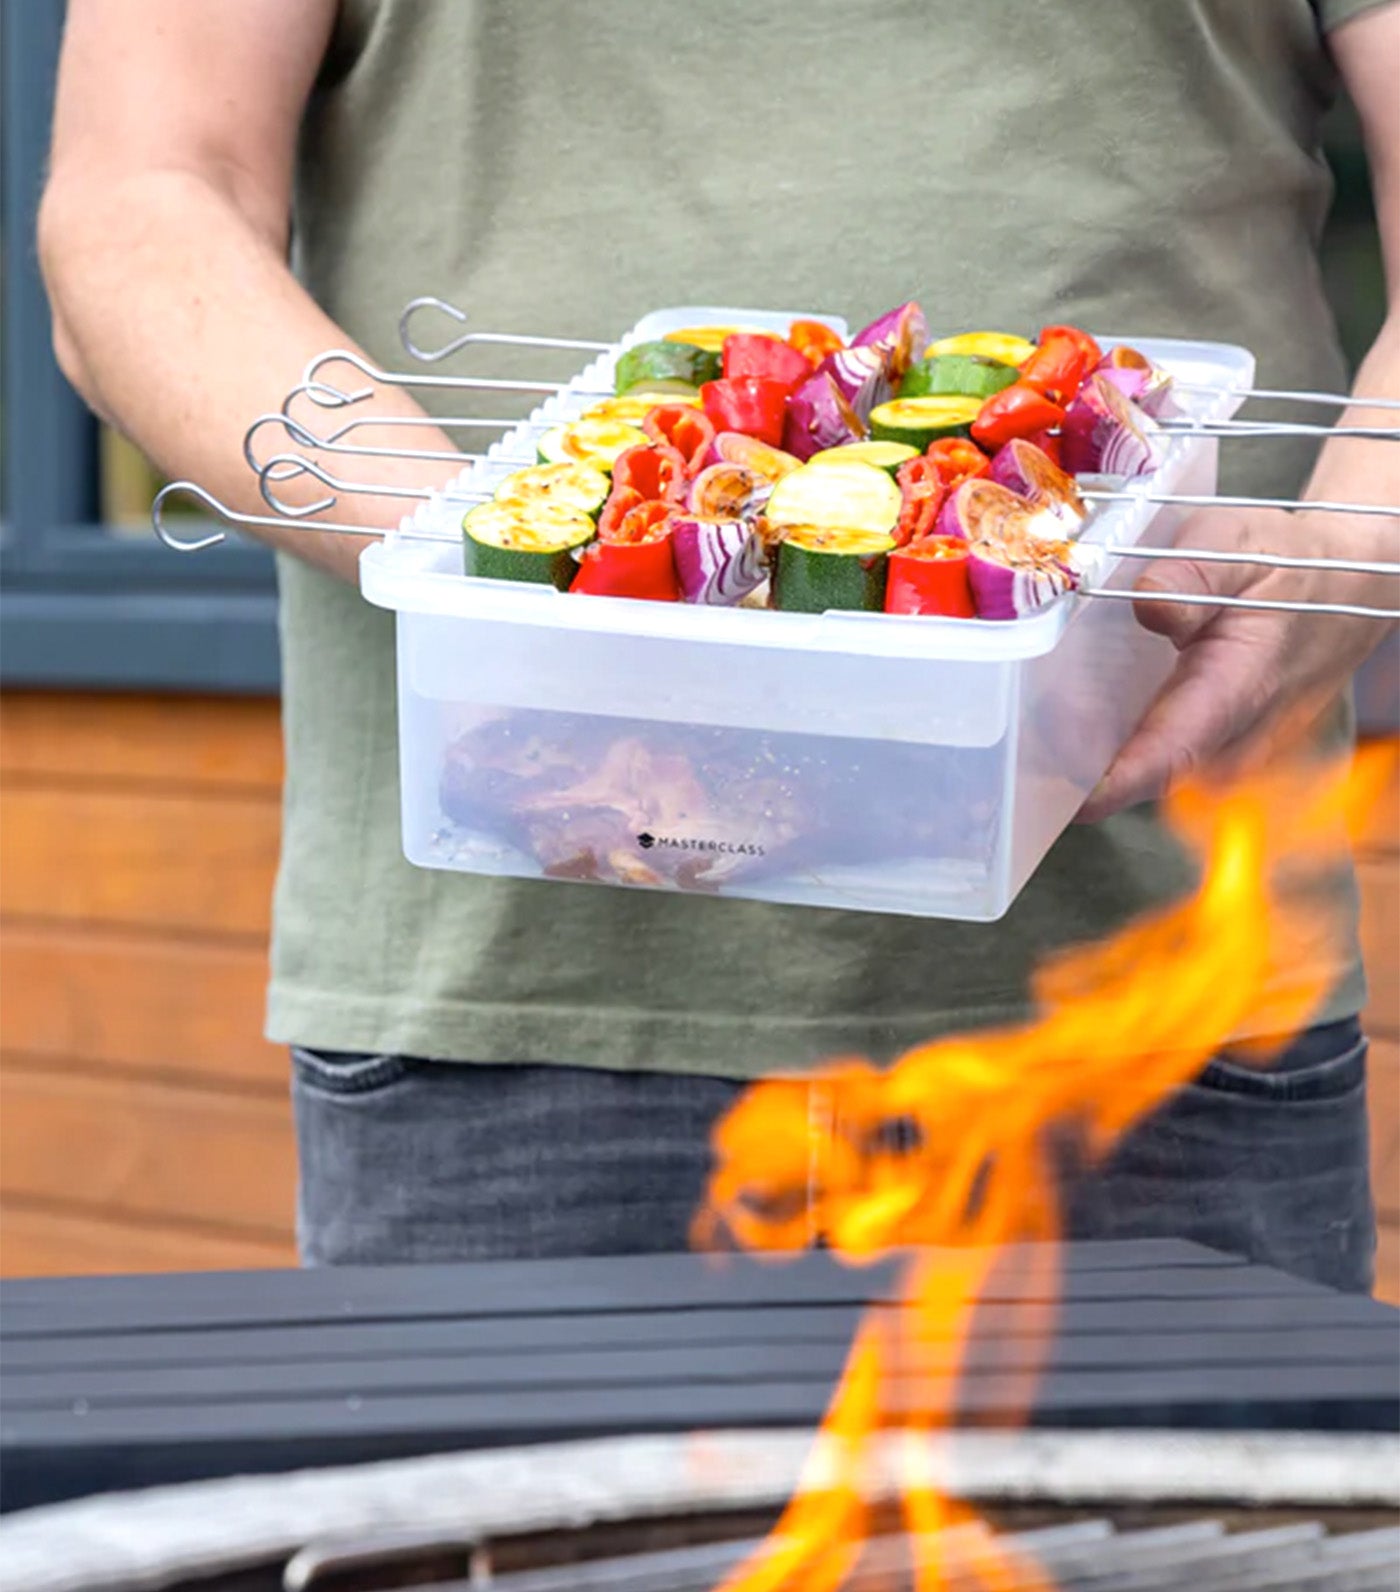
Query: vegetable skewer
[{"x": 231, "y": 516}]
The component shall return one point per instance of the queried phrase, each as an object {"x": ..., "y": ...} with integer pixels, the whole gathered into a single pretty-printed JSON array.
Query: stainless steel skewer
[
  {"x": 1333, "y": 400},
  {"x": 180, "y": 544},
  {"x": 517, "y": 340},
  {"x": 1210, "y": 555},
  {"x": 314, "y": 387},
  {"x": 287, "y": 466},
  {"x": 1204, "y": 501},
  {"x": 1269, "y": 605},
  {"x": 306, "y": 438},
  {"x": 1186, "y": 426}
]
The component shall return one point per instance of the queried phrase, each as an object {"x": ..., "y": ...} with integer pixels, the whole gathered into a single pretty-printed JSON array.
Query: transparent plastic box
[{"x": 921, "y": 766}]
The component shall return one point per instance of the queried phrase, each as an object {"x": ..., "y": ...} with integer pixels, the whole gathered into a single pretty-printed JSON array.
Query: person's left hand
[{"x": 1241, "y": 672}]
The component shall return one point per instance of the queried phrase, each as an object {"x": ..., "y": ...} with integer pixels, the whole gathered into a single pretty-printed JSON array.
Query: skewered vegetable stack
[{"x": 799, "y": 473}]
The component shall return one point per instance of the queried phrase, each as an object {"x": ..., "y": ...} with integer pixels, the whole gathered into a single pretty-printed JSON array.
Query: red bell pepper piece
[
  {"x": 770, "y": 358},
  {"x": 637, "y": 562},
  {"x": 621, "y": 501},
  {"x": 755, "y": 405},
  {"x": 930, "y": 576},
  {"x": 1062, "y": 362},
  {"x": 1016, "y": 411},
  {"x": 957, "y": 460},
  {"x": 923, "y": 492},
  {"x": 814, "y": 340},
  {"x": 684, "y": 428},
  {"x": 1091, "y": 349},
  {"x": 656, "y": 472}
]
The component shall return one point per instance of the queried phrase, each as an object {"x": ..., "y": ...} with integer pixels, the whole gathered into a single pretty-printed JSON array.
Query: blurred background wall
[{"x": 143, "y": 1119}]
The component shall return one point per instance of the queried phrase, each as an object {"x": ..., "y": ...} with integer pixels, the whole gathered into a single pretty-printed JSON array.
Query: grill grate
[{"x": 1103, "y": 1553}]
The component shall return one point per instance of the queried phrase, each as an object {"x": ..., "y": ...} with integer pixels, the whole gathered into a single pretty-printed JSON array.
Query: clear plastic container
[{"x": 865, "y": 761}]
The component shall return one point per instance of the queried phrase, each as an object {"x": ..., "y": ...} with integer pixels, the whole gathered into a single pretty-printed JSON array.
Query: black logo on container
[{"x": 729, "y": 848}]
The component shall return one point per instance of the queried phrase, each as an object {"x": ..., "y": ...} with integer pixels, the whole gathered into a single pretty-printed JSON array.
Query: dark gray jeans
[{"x": 405, "y": 1160}]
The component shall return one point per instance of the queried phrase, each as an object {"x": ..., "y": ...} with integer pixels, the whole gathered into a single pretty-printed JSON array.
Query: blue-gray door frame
[{"x": 79, "y": 607}]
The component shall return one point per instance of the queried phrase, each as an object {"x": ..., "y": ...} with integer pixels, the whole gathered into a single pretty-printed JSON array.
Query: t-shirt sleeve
[{"x": 1332, "y": 13}]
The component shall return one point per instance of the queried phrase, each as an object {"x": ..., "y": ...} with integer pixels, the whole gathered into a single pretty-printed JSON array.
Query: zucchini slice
[
  {"x": 954, "y": 375},
  {"x": 887, "y": 456},
  {"x": 575, "y": 488},
  {"x": 596, "y": 442},
  {"x": 920, "y": 421},
  {"x": 854, "y": 497},
  {"x": 638, "y": 404},
  {"x": 656, "y": 365},
  {"x": 1003, "y": 347},
  {"x": 708, "y": 337},
  {"x": 821, "y": 567},
  {"x": 500, "y": 542}
]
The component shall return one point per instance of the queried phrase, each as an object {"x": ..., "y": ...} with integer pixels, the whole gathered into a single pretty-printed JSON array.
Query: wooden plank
[
  {"x": 149, "y": 1149},
  {"x": 1383, "y": 1100},
  {"x": 1380, "y": 942},
  {"x": 140, "y": 859},
  {"x": 148, "y": 1002},
  {"x": 168, "y": 741},
  {"x": 44, "y": 1243}
]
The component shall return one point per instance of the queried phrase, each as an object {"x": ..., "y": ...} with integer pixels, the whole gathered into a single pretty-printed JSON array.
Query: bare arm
[
  {"x": 163, "y": 237},
  {"x": 1242, "y": 674}
]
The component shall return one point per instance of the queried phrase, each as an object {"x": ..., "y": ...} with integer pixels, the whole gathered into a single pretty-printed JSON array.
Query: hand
[{"x": 1242, "y": 673}]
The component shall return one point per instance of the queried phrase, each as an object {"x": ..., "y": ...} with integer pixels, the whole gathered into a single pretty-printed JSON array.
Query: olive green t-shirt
[{"x": 565, "y": 166}]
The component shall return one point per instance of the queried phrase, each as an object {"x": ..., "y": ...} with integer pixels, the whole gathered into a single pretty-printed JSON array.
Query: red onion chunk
[
  {"x": 1105, "y": 433},
  {"x": 862, "y": 376},
  {"x": 733, "y": 447},
  {"x": 1024, "y": 468},
  {"x": 717, "y": 561},
  {"x": 728, "y": 491},
  {"x": 819, "y": 416},
  {"x": 983, "y": 508},
  {"x": 900, "y": 335},
  {"x": 1138, "y": 379},
  {"x": 1018, "y": 575}
]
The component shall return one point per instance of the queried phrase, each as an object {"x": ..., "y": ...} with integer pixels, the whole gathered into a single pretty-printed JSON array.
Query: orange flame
[{"x": 946, "y": 1151}]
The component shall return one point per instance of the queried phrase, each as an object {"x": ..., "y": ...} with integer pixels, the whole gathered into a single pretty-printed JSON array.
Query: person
[{"x": 487, "y": 1066}]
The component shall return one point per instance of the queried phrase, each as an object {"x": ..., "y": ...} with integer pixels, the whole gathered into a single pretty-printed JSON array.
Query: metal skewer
[
  {"x": 1210, "y": 555},
  {"x": 180, "y": 544},
  {"x": 1189, "y": 427},
  {"x": 1334, "y": 400},
  {"x": 514, "y": 339},
  {"x": 1200, "y": 600},
  {"x": 305, "y": 438},
  {"x": 287, "y": 466},
  {"x": 308, "y": 439},
  {"x": 314, "y": 387},
  {"x": 1205, "y": 501}
]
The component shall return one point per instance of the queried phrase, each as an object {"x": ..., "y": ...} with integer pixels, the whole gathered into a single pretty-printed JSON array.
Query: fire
[{"x": 948, "y": 1152}]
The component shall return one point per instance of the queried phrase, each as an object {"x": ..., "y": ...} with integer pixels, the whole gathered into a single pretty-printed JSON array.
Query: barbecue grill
[{"x": 636, "y": 1423}]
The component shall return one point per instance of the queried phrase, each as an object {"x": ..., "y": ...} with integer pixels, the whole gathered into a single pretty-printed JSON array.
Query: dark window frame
[{"x": 81, "y": 607}]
